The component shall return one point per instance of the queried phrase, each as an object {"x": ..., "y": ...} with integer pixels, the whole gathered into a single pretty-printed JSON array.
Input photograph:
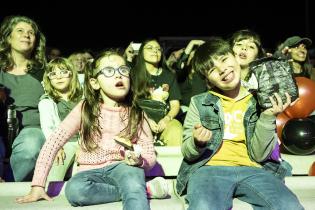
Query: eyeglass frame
[
  {"x": 59, "y": 74},
  {"x": 101, "y": 71}
]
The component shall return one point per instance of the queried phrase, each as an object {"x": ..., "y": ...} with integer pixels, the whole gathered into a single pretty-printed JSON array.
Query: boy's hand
[
  {"x": 201, "y": 135},
  {"x": 277, "y": 105},
  {"x": 35, "y": 194}
]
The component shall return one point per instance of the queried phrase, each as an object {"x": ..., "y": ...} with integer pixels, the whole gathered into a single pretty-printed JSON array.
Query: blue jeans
[
  {"x": 214, "y": 187},
  {"x": 2, "y": 155},
  {"x": 25, "y": 149},
  {"x": 109, "y": 184}
]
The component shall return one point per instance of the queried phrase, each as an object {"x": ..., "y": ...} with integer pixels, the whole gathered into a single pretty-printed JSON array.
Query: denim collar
[{"x": 209, "y": 99}]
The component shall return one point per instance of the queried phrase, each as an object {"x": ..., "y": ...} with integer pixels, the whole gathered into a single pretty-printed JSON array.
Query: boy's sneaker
[{"x": 157, "y": 188}]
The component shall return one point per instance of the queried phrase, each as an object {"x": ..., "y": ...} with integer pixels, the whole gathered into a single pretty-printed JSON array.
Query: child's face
[
  {"x": 298, "y": 53},
  {"x": 117, "y": 86},
  {"x": 245, "y": 51},
  {"x": 152, "y": 52},
  {"x": 22, "y": 38},
  {"x": 225, "y": 73},
  {"x": 60, "y": 79}
]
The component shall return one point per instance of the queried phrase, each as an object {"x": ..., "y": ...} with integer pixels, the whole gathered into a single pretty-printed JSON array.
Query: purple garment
[
  {"x": 54, "y": 188},
  {"x": 275, "y": 155}
]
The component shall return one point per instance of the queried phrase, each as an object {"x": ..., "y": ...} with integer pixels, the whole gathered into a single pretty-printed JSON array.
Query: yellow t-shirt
[{"x": 233, "y": 151}]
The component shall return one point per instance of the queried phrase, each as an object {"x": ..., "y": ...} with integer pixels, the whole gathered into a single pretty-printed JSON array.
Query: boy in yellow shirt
[{"x": 228, "y": 140}]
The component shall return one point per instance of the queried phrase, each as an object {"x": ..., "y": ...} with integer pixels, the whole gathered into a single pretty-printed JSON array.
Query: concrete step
[{"x": 302, "y": 186}]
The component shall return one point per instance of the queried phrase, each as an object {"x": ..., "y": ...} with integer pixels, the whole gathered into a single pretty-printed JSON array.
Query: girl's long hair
[
  {"x": 139, "y": 74},
  {"x": 90, "y": 125},
  {"x": 75, "y": 90},
  {"x": 37, "y": 58}
]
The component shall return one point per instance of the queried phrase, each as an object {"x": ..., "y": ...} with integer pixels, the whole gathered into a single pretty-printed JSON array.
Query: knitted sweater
[{"x": 107, "y": 152}]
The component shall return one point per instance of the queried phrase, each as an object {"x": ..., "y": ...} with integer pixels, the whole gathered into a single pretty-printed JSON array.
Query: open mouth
[
  {"x": 119, "y": 84},
  {"x": 242, "y": 55}
]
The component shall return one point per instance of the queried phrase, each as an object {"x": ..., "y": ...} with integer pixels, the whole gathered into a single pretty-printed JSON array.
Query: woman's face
[
  {"x": 22, "y": 38},
  {"x": 245, "y": 51},
  {"x": 79, "y": 62},
  {"x": 298, "y": 53},
  {"x": 152, "y": 52}
]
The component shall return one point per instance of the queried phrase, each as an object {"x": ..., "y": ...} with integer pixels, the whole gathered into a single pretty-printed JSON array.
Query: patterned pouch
[
  {"x": 273, "y": 76},
  {"x": 155, "y": 110}
]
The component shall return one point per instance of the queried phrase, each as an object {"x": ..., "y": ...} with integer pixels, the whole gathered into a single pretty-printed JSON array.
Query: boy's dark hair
[{"x": 203, "y": 59}]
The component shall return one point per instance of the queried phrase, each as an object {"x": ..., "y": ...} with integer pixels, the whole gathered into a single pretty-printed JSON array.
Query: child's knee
[{"x": 173, "y": 133}]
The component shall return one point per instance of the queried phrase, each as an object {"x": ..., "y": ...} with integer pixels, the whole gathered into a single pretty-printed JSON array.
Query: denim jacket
[{"x": 259, "y": 130}]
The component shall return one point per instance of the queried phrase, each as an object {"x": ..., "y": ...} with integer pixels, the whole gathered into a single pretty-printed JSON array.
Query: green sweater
[{"x": 24, "y": 91}]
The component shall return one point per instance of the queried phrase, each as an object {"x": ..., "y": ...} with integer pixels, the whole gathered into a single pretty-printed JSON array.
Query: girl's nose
[
  {"x": 58, "y": 75},
  {"x": 118, "y": 75}
]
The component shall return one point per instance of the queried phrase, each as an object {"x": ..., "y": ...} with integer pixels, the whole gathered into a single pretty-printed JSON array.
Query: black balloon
[
  {"x": 312, "y": 117},
  {"x": 298, "y": 136}
]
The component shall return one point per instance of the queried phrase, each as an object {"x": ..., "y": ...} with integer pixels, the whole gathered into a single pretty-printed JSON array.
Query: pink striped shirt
[{"x": 108, "y": 151}]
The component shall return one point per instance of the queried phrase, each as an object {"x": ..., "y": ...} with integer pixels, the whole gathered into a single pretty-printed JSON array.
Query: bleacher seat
[{"x": 169, "y": 160}]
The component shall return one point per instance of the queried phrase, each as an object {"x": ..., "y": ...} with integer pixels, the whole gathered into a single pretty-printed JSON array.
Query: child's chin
[{"x": 231, "y": 86}]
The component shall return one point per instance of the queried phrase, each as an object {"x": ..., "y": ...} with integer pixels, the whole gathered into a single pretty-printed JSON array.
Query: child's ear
[{"x": 94, "y": 83}]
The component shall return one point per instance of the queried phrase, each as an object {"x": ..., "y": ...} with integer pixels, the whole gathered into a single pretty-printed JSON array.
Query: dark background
[{"x": 96, "y": 25}]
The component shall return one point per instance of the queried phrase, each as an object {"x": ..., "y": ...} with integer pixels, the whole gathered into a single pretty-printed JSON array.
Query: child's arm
[
  {"x": 35, "y": 194},
  {"x": 48, "y": 121},
  {"x": 194, "y": 146},
  {"x": 56, "y": 140},
  {"x": 145, "y": 142},
  {"x": 264, "y": 138}
]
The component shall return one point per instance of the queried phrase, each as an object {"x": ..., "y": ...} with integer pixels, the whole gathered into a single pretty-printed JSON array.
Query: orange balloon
[
  {"x": 306, "y": 102},
  {"x": 311, "y": 172},
  {"x": 281, "y": 120}
]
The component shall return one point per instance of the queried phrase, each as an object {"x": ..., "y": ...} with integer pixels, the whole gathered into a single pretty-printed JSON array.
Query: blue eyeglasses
[{"x": 110, "y": 71}]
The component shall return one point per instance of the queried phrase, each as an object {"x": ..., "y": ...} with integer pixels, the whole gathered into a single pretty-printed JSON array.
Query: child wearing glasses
[
  {"x": 63, "y": 92},
  {"x": 108, "y": 171}
]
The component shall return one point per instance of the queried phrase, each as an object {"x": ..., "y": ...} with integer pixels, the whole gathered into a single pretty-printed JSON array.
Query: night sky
[{"x": 100, "y": 24}]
